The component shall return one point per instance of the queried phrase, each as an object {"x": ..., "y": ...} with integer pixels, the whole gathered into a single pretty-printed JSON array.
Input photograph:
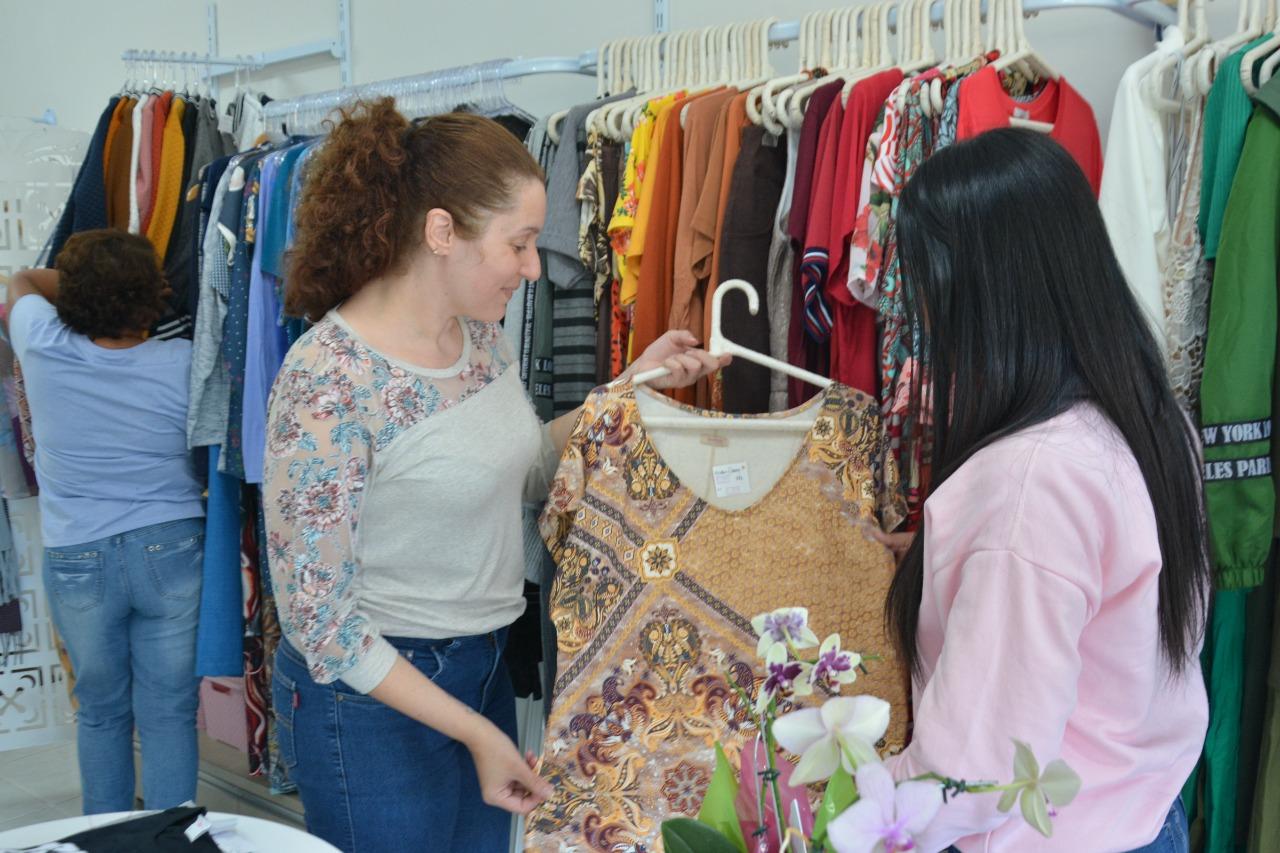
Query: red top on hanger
[{"x": 985, "y": 105}]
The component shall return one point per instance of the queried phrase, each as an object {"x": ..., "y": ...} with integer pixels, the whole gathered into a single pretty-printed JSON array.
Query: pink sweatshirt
[{"x": 1038, "y": 621}]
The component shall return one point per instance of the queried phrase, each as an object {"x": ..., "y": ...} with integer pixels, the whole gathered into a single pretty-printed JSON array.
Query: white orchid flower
[
  {"x": 783, "y": 625},
  {"x": 843, "y": 732}
]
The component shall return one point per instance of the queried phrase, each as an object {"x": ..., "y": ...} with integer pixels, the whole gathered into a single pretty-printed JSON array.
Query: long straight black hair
[{"x": 1019, "y": 311}]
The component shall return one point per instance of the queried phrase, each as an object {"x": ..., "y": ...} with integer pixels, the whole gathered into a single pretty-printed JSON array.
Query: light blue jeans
[
  {"x": 1173, "y": 837},
  {"x": 126, "y": 607}
]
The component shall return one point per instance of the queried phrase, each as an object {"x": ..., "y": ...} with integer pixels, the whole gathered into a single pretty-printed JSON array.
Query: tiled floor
[
  {"x": 43, "y": 783},
  {"x": 38, "y": 784}
]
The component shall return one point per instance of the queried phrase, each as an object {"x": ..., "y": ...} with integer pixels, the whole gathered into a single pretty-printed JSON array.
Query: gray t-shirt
[{"x": 109, "y": 427}]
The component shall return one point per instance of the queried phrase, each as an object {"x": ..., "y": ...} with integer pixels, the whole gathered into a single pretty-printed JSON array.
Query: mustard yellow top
[
  {"x": 169, "y": 187},
  {"x": 627, "y": 208}
]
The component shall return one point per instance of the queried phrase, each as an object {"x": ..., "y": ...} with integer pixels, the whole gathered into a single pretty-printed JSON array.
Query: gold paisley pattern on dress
[
  {"x": 584, "y": 591},
  {"x": 648, "y": 477},
  {"x": 652, "y": 601}
]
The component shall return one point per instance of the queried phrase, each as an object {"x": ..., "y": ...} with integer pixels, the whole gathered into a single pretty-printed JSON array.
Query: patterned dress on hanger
[
  {"x": 1187, "y": 277},
  {"x": 652, "y": 601}
]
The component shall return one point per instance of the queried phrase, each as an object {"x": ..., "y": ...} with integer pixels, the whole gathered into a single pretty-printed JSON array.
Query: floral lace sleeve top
[{"x": 368, "y": 458}]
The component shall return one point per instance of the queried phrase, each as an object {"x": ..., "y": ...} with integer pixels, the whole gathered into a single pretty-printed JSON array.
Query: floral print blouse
[{"x": 341, "y": 416}]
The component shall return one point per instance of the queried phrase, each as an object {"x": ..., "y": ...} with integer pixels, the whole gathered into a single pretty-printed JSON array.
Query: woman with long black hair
[{"x": 1057, "y": 591}]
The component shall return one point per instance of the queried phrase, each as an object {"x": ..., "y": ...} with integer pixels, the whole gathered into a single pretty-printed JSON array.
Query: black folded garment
[{"x": 163, "y": 832}]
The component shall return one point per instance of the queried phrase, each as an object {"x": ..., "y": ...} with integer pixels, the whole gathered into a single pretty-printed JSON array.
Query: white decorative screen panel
[{"x": 37, "y": 167}]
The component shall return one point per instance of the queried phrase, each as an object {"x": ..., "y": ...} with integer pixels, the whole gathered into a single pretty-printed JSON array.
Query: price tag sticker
[{"x": 731, "y": 479}]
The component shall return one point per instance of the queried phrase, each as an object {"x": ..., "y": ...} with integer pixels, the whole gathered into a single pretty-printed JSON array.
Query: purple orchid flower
[
  {"x": 787, "y": 624},
  {"x": 884, "y": 817}
]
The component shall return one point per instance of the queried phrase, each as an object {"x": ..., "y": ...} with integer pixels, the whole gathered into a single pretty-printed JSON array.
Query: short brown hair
[
  {"x": 367, "y": 195},
  {"x": 110, "y": 283}
]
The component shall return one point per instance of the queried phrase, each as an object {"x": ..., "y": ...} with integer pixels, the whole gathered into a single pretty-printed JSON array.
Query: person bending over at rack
[
  {"x": 1058, "y": 587},
  {"x": 399, "y": 445},
  {"x": 120, "y": 509}
]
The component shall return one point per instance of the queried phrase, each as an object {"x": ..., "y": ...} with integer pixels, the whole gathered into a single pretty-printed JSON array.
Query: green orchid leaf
[
  {"x": 718, "y": 810},
  {"x": 1060, "y": 783},
  {"x": 840, "y": 795},
  {"x": 1008, "y": 798},
  {"x": 1025, "y": 766},
  {"x": 684, "y": 835},
  {"x": 1035, "y": 810}
]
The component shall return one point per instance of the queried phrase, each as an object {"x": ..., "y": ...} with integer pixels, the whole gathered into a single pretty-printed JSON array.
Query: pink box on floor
[{"x": 223, "y": 713}]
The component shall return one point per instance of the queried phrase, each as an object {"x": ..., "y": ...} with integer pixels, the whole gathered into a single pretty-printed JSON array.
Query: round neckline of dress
[
  {"x": 801, "y": 449},
  {"x": 432, "y": 372}
]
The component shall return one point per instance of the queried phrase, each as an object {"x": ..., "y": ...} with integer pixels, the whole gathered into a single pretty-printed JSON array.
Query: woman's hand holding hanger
[{"x": 678, "y": 352}]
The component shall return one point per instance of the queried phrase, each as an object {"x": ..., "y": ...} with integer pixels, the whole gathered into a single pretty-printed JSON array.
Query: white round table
[{"x": 265, "y": 836}]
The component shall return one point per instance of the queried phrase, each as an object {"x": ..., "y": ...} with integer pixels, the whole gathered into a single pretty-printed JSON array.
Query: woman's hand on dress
[
  {"x": 678, "y": 352},
  {"x": 507, "y": 779},
  {"x": 898, "y": 543}
]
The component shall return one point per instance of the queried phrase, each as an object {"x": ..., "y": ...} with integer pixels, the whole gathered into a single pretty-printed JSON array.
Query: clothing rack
[
  {"x": 479, "y": 85},
  {"x": 1151, "y": 13},
  {"x": 338, "y": 47},
  {"x": 1148, "y": 12},
  {"x": 214, "y": 66}
]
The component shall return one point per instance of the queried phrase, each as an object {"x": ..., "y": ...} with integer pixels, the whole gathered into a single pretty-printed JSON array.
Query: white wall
[{"x": 65, "y": 54}]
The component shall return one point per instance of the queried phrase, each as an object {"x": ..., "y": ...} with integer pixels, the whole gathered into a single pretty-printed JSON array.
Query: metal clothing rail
[
  {"x": 217, "y": 66},
  {"x": 478, "y": 85},
  {"x": 1149, "y": 12}
]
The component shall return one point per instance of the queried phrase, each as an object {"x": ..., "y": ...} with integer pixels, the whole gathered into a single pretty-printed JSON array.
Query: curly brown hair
[
  {"x": 110, "y": 284},
  {"x": 367, "y": 194}
]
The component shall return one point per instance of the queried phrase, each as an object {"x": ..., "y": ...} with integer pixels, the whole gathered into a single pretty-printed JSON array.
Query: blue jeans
[
  {"x": 126, "y": 607},
  {"x": 375, "y": 781},
  {"x": 1172, "y": 838}
]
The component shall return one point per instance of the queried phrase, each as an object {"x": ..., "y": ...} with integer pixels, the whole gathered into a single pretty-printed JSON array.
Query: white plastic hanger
[
  {"x": 1022, "y": 51},
  {"x": 1248, "y": 27},
  {"x": 882, "y": 59},
  {"x": 925, "y": 40},
  {"x": 1195, "y": 29},
  {"x": 720, "y": 345},
  {"x": 1261, "y": 51},
  {"x": 964, "y": 43},
  {"x": 776, "y": 93},
  {"x": 602, "y": 89},
  {"x": 932, "y": 99},
  {"x": 792, "y": 102},
  {"x": 752, "y": 42},
  {"x": 608, "y": 82},
  {"x": 1015, "y": 50},
  {"x": 616, "y": 119},
  {"x": 627, "y": 119},
  {"x": 922, "y": 55},
  {"x": 760, "y": 107},
  {"x": 1269, "y": 67},
  {"x": 628, "y": 60}
]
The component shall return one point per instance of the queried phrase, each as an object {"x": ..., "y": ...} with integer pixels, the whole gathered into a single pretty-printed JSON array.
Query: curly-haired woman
[
  {"x": 400, "y": 442},
  {"x": 121, "y": 512}
]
